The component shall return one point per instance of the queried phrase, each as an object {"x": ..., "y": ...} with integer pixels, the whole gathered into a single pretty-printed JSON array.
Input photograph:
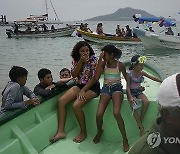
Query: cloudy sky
[{"x": 72, "y": 10}]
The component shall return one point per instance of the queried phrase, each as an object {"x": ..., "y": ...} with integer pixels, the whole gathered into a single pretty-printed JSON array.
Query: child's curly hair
[{"x": 75, "y": 52}]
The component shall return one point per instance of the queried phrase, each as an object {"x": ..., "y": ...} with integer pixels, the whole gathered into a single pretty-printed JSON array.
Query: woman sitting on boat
[
  {"x": 44, "y": 28},
  {"x": 87, "y": 29},
  {"x": 118, "y": 31},
  {"x": 37, "y": 30},
  {"x": 83, "y": 67},
  {"x": 53, "y": 28},
  {"x": 28, "y": 30},
  {"x": 99, "y": 29},
  {"x": 128, "y": 31}
]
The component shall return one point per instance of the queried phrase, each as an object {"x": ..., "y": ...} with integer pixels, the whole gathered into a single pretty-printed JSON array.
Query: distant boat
[
  {"x": 94, "y": 37},
  {"x": 28, "y": 131},
  {"x": 156, "y": 40},
  {"x": 153, "y": 40},
  {"x": 59, "y": 32}
]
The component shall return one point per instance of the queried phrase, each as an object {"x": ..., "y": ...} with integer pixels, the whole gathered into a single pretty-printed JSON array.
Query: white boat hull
[{"x": 152, "y": 40}]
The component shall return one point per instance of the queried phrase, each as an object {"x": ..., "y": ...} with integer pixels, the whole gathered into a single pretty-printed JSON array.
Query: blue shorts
[
  {"x": 136, "y": 92},
  {"x": 110, "y": 89}
]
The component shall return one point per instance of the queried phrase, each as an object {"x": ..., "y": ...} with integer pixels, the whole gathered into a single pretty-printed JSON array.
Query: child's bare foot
[
  {"x": 57, "y": 137},
  {"x": 80, "y": 137},
  {"x": 98, "y": 137},
  {"x": 125, "y": 146}
]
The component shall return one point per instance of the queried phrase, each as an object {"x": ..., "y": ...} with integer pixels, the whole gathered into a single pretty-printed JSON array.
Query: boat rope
[{"x": 54, "y": 11}]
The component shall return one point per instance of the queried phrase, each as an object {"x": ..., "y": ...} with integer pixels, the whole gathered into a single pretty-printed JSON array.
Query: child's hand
[
  {"x": 132, "y": 100},
  {"x": 82, "y": 96},
  {"x": 29, "y": 102},
  {"x": 142, "y": 88},
  {"x": 36, "y": 101},
  {"x": 84, "y": 58},
  {"x": 101, "y": 55}
]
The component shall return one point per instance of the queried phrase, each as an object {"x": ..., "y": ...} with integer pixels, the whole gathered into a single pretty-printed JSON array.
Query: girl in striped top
[{"x": 112, "y": 89}]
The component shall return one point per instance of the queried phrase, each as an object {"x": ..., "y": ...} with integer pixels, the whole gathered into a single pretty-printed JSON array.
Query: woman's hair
[
  {"x": 16, "y": 72},
  {"x": 75, "y": 52},
  {"x": 111, "y": 49},
  {"x": 134, "y": 61}
]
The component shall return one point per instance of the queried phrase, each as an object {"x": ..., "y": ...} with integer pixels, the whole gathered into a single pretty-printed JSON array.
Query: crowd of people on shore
[{"x": 85, "y": 72}]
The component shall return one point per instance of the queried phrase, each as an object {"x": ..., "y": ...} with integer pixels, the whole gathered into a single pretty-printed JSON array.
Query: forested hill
[{"x": 122, "y": 14}]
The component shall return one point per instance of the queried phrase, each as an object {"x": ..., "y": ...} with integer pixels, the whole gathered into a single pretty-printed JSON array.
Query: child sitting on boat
[
  {"x": 12, "y": 95},
  {"x": 46, "y": 86},
  {"x": 134, "y": 89},
  {"x": 83, "y": 67},
  {"x": 112, "y": 89}
]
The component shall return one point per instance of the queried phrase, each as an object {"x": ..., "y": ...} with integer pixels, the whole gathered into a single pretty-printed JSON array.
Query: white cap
[{"x": 168, "y": 94}]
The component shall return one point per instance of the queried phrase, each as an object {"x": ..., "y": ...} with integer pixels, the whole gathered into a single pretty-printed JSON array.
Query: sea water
[{"x": 54, "y": 53}]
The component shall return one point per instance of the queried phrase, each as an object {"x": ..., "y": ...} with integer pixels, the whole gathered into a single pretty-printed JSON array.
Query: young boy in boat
[
  {"x": 46, "y": 86},
  {"x": 164, "y": 135},
  {"x": 134, "y": 89},
  {"x": 12, "y": 95},
  {"x": 65, "y": 75}
]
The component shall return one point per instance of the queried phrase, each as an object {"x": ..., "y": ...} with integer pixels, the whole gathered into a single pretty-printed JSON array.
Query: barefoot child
[
  {"x": 134, "y": 89},
  {"x": 112, "y": 89},
  {"x": 84, "y": 64}
]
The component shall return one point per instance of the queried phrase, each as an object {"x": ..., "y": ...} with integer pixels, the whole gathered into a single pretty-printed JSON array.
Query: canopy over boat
[
  {"x": 162, "y": 21},
  {"x": 152, "y": 40}
]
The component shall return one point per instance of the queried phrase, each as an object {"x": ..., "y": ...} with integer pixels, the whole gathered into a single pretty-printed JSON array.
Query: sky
[{"x": 76, "y": 10}]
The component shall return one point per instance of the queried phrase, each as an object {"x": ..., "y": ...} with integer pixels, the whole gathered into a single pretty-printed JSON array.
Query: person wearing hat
[
  {"x": 164, "y": 136},
  {"x": 128, "y": 31}
]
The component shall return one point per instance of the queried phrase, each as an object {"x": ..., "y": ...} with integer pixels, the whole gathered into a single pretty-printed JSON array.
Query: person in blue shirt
[{"x": 12, "y": 95}]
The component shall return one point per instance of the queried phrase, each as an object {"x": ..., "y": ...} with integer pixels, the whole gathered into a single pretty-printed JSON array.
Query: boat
[
  {"x": 59, "y": 32},
  {"x": 94, "y": 37},
  {"x": 28, "y": 131},
  {"x": 152, "y": 40}
]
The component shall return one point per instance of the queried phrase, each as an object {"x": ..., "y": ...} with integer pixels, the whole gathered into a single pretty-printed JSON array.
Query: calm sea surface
[{"x": 54, "y": 54}]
